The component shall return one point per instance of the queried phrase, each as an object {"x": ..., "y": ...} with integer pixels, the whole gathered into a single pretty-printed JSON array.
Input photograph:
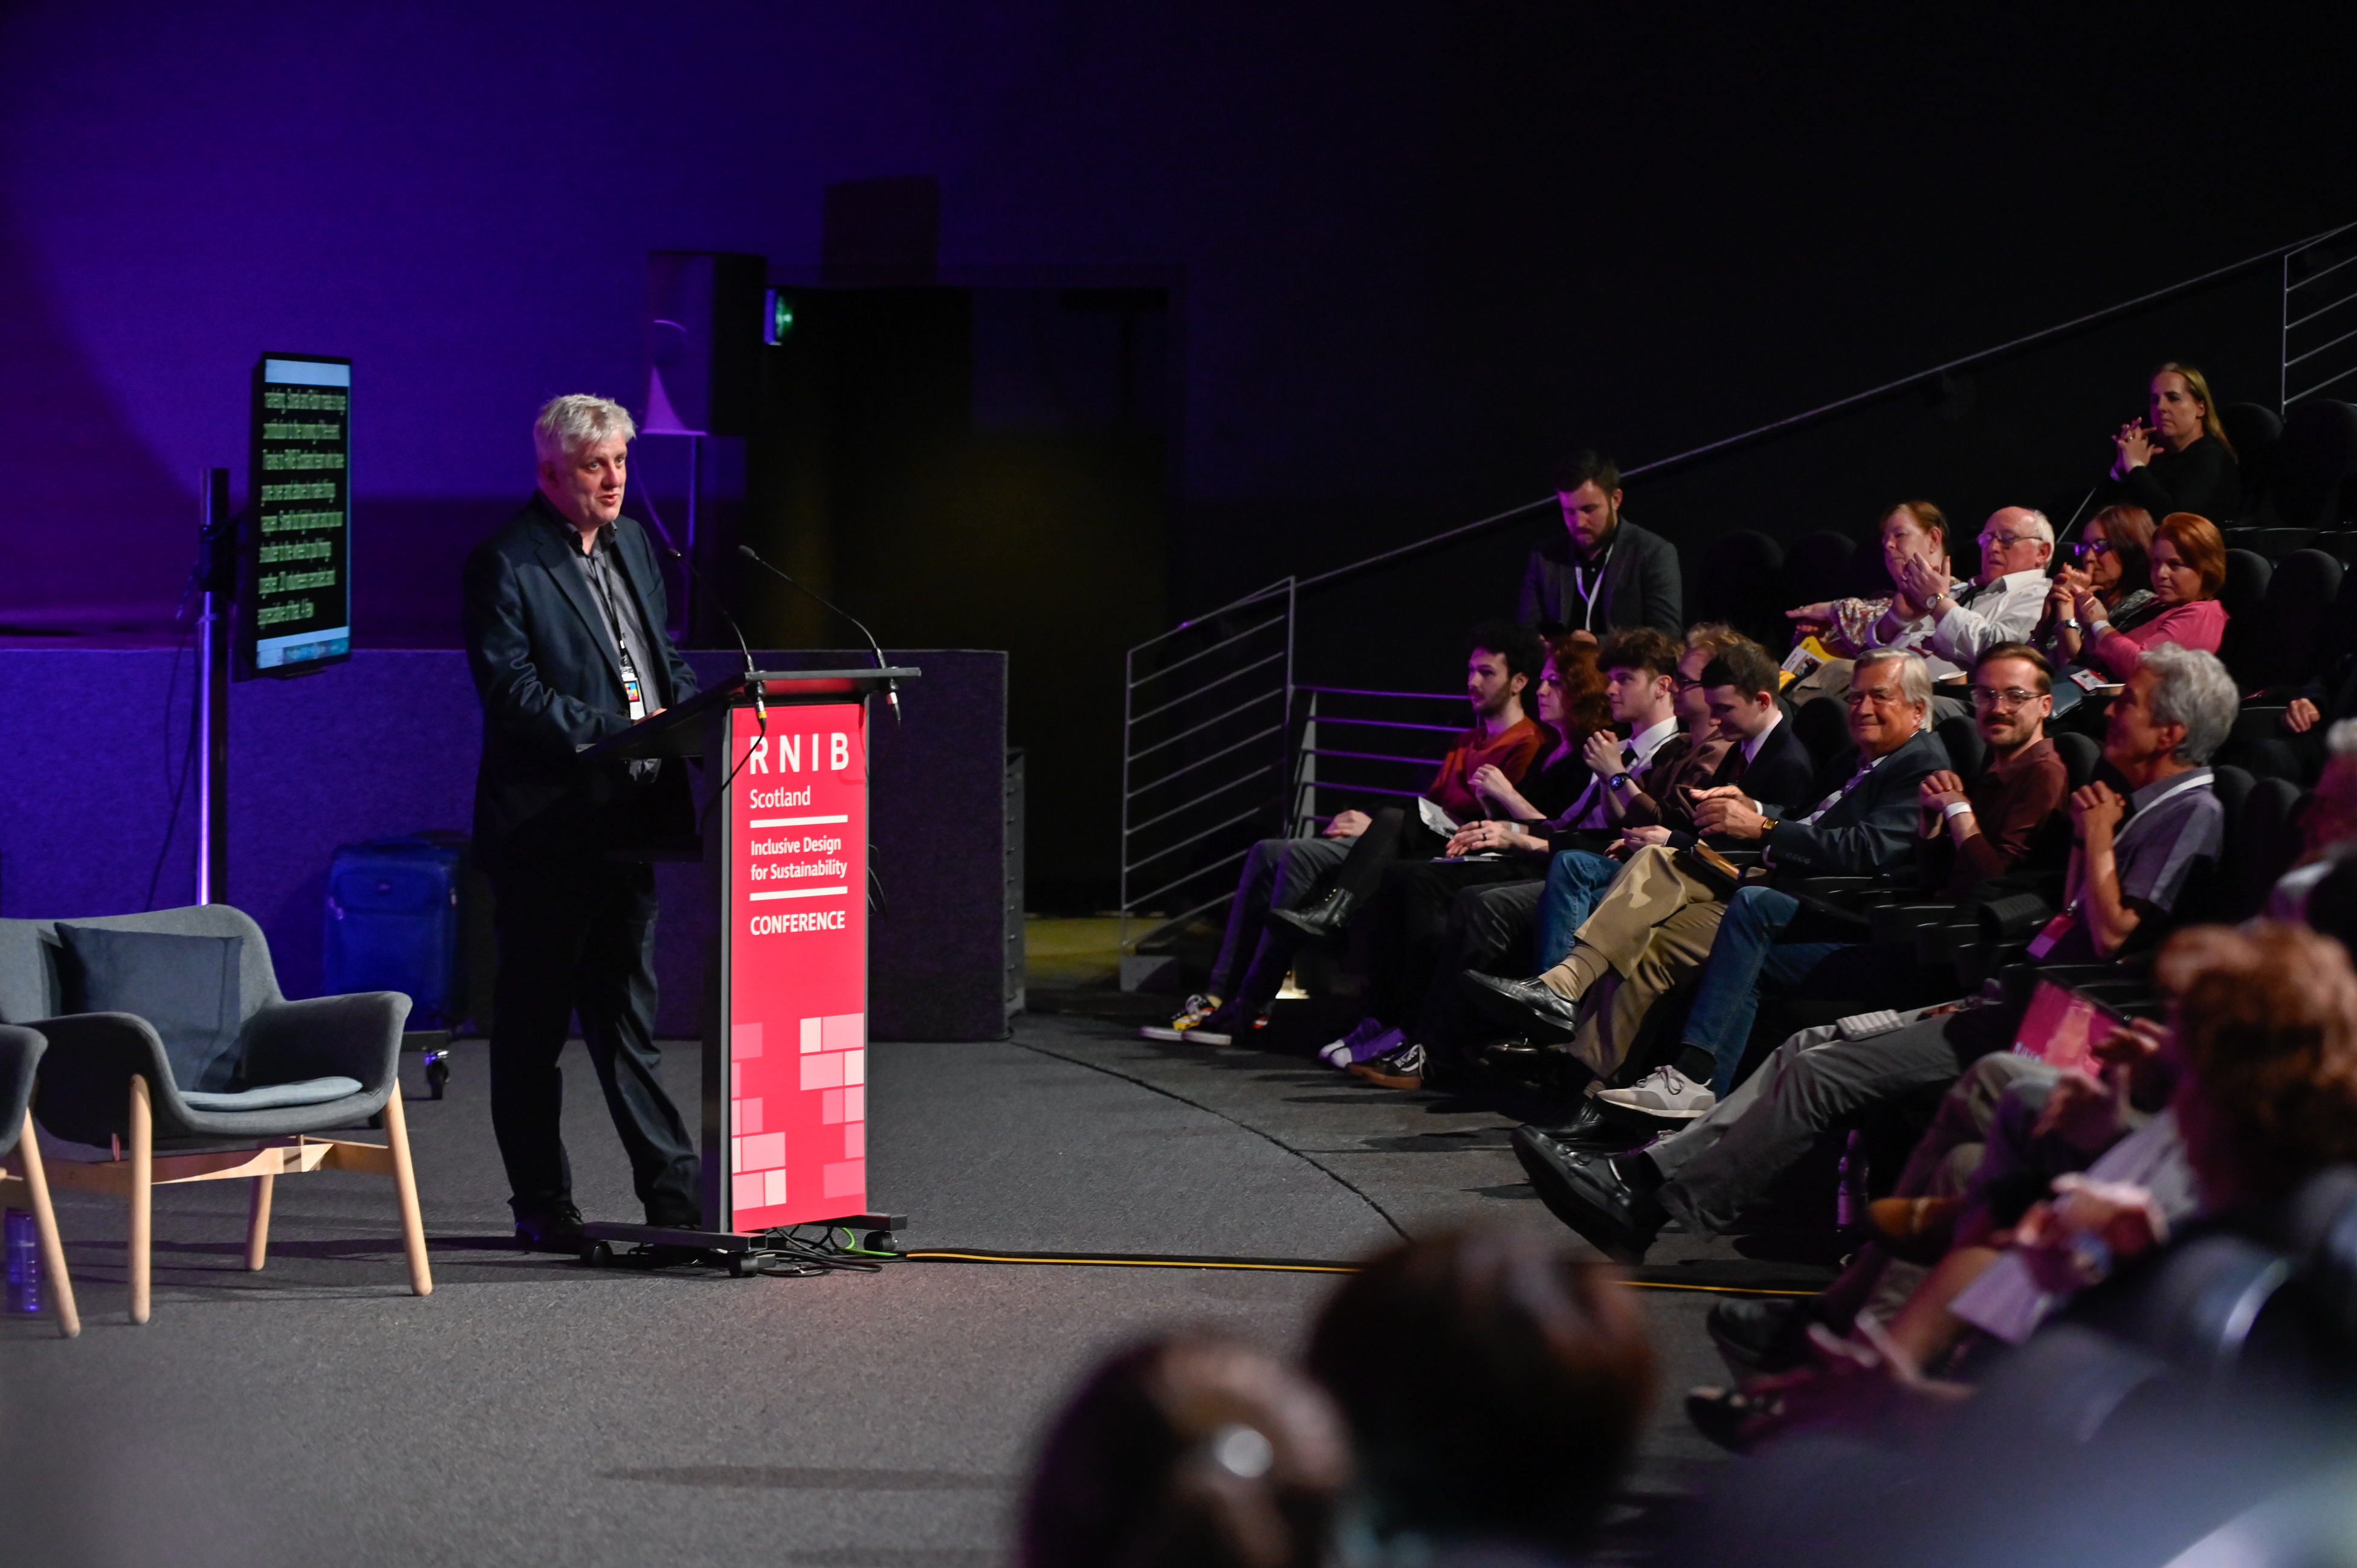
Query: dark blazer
[
  {"x": 551, "y": 686},
  {"x": 1870, "y": 829},
  {"x": 1640, "y": 585},
  {"x": 1782, "y": 777}
]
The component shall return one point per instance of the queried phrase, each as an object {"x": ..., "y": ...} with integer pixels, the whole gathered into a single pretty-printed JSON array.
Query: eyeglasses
[
  {"x": 2005, "y": 541},
  {"x": 2004, "y": 701},
  {"x": 1679, "y": 684},
  {"x": 2091, "y": 547}
]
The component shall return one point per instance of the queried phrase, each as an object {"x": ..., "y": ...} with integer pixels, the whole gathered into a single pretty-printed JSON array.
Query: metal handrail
[
  {"x": 1177, "y": 664},
  {"x": 1366, "y": 691},
  {"x": 1369, "y": 756},
  {"x": 1197, "y": 729},
  {"x": 1898, "y": 384},
  {"x": 1231, "y": 681},
  {"x": 1230, "y": 675},
  {"x": 1214, "y": 757},
  {"x": 1198, "y": 799}
]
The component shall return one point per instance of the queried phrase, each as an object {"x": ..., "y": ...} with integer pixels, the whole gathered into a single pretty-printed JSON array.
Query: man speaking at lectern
[{"x": 564, "y": 635}]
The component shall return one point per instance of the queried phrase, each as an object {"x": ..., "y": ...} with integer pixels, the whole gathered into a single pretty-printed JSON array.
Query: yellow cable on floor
[{"x": 936, "y": 1255}]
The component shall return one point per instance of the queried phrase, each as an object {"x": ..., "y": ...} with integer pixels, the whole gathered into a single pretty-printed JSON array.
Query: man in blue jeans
[
  {"x": 1727, "y": 693},
  {"x": 1992, "y": 830}
]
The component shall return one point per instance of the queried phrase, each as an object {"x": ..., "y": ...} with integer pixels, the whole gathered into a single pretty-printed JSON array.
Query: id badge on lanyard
[{"x": 631, "y": 688}]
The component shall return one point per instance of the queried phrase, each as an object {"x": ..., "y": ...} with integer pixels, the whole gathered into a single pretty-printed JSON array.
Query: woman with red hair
[{"x": 2189, "y": 568}]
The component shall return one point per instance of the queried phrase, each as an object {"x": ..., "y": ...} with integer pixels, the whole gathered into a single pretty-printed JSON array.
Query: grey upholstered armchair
[
  {"x": 212, "y": 1076},
  {"x": 21, "y": 1061}
]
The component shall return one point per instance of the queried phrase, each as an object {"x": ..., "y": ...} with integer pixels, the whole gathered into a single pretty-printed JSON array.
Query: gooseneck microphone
[
  {"x": 759, "y": 706},
  {"x": 891, "y": 687}
]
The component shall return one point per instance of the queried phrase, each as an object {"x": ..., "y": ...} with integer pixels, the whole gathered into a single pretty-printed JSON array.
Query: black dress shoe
[
  {"x": 1588, "y": 1192},
  {"x": 1598, "y": 1128},
  {"x": 550, "y": 1231},
  {"x": 1758, "y": 1337},
  {"x": 1328, "y": 921},
  {"x": 1524, "y": 1004}
]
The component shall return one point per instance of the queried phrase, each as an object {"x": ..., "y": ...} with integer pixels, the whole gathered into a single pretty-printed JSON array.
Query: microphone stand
[{"x": 891, "y": 687}]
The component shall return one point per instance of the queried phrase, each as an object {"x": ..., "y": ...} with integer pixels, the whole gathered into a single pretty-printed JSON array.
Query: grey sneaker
[{"x": 1665, "y": 1093}]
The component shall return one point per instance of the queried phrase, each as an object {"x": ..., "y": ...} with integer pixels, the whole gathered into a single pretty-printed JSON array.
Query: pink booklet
[{"x": 2061, "y": 1027}]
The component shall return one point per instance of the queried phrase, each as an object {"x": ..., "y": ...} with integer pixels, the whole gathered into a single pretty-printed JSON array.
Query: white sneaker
[{"x": 1665, "y": 1092}]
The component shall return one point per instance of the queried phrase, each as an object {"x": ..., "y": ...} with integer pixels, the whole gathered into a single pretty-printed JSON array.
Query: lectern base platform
[{"x": 738, "y": 1251}]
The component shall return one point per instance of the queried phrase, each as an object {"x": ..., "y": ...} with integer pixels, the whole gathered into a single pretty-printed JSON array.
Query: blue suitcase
[{"x": 395, "y": 922}]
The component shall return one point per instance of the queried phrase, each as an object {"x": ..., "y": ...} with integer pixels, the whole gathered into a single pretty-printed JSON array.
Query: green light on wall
[{"x": 777, "y": 317}]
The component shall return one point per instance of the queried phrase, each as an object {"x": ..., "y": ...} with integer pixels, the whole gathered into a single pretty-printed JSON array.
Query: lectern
[{"x": 783, "y": 820}]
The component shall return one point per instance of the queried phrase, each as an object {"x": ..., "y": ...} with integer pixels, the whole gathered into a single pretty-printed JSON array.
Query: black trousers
[
  {"x": 1489, "y": 929},
  {"x": 1414, "y": 934},
  {"x": 580, "y": 937}
]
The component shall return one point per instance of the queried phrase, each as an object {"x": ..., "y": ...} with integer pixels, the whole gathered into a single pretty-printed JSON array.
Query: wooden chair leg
[
  {"x": 404, "y": 1186},
  {"x": 142, "y": 1193},
  {"x": 257, "y": 1223},
  {"x": 53, "y": 1251}
]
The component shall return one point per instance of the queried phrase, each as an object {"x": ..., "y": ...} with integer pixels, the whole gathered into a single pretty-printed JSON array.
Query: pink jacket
[{"x": 2201, "y": 624}]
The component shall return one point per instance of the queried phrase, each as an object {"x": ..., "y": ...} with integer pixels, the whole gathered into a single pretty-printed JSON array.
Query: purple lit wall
[{"x": 387, "y": 745}]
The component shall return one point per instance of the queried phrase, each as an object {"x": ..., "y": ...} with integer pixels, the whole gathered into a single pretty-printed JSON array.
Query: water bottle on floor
[{"x": 24, "y": 1263}]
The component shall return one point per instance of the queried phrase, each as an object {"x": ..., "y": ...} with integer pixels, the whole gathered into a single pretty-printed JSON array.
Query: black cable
[{"x": 188, "y": 753}]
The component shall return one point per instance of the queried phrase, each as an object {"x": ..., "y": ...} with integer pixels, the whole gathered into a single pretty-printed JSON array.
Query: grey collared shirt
[{"x": 618, "y": 608}]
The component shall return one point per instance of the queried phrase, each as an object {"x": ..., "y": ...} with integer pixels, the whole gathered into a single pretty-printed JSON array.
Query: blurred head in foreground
[
  {"x": 1191, "y": 1451},
  {"x": 2266, "y": 1022},
  {"x": 1494, "y": 1385}
]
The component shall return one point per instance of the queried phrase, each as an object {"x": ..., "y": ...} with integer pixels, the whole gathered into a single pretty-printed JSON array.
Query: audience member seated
[
  {"x": 1283, "y": 872},
  {"x": 1485, "y": 924},
  {"x": 1653, "y": 928},
  {"x": 1495, "y": 1389},
  {"x": 1909, "y": 531},
  {"x": 2113, "y": 561},
  {"x": 1401, "y": 929},
  {"x": 2189, "y": 568},
  {"x": 1927, "y": 614},
  {"x": 1770, "y": 943},
  {"x": 1188, "y": 1452},
  {"x": 2176, "y": 458},
  {"x": 2000, "y": 604},
  {"x": 2259, "y": 1065},
  {"x": 1761, "y": 754},
  {"x": 1605, "y": 573},
  {"x": 2123, "y": 882}
]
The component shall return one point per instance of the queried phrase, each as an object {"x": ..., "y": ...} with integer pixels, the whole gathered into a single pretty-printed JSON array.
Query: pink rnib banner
[{"x": 798, "y": 960}]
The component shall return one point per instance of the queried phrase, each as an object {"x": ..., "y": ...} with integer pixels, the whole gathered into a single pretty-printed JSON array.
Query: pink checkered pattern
[{"x": 833, "y": 1060}]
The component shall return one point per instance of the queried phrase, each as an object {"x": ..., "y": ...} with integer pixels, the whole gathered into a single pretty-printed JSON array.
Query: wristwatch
[
  {"x": 2071, "y": 624},
  {"x": 1617, "y": 781}
]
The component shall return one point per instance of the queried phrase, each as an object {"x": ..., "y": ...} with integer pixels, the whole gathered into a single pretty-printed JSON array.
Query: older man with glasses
[
  {"x": 1656, "y": 925},
  {"x": 2001, "y": 604}
]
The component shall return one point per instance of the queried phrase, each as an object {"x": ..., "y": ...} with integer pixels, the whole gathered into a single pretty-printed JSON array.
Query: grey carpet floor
[{"x": 531, "y": 1411}]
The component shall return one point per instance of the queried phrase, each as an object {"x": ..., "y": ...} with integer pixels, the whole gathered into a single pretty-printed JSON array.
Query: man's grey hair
[
  {"x": 1914, "y": 675},
  {"x": 2192, "y": 689},
  {"x": 2340, "y": 740},
  {"x": 2040, "y": 524},
  {"x": 570, "y": 423}
]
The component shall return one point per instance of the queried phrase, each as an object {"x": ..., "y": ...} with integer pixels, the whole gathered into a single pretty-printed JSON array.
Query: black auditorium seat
[
  {"x": 2318, "y": 453},
  {"x": 2245, "y": 597},
  {"x": 1818, "y": 566},
  {"x": 2255, "y": 434},
  {"x": 1737, "y": 581},
  {"x": 2294, "y": 625}
]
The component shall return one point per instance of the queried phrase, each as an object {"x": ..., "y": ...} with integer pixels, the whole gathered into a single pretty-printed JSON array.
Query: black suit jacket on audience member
[
  {"x": 1641, "y": 587},
  {"x": 1870, "y": 829},
  {"x": 1782, "y": 777},
  {"x": 551, "y": 685}
]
